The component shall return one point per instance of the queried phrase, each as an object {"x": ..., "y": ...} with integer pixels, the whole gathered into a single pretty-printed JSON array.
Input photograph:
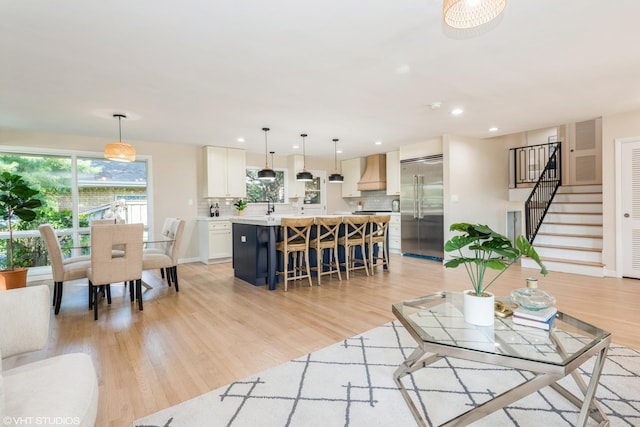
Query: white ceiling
[{"x": 208, "y": 72}]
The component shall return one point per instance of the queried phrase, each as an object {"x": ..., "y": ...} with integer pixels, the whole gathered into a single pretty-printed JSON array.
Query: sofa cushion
[{"x": 63, "y": 386}]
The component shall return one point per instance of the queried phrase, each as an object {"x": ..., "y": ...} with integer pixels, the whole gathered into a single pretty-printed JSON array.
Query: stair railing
[
  {"x": 541, "y": 196},
  {"x": 528, "y": 162}
]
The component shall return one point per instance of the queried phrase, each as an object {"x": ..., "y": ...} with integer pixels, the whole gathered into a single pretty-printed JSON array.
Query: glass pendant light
[
  {"x": 304, "y": 175},
  {"x": 336, "y": 177},
  {"x": 266, "y": 174},
  {"x": 119, "y": 151}
]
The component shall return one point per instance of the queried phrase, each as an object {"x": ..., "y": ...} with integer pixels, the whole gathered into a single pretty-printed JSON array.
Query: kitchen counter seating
[{"x": 255, "y": 259}]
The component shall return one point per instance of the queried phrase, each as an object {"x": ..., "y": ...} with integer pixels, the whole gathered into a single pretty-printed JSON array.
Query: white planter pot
[{"x": 479, "y": 310}]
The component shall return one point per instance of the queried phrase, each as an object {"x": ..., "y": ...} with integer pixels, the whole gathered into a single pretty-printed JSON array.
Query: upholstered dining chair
[
  {"x": 161, "y": 247},
  {"x": 107, "y": 268},
  {"x": 168, "y": 259},
  {"x": 63, "y": 270}
]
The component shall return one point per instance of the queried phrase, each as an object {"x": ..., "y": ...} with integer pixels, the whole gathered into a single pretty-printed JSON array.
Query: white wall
[
  {"x": 475, "y": 182},
  {"x": 613, "y": 127}
]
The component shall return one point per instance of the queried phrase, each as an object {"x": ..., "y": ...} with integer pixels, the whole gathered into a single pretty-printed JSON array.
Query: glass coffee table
[{"x": 436, "y": 323}]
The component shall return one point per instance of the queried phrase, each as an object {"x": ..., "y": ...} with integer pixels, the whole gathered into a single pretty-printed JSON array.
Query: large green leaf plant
[
  {"x": 478, "y": 248},
  {"x": 17, "y": 199}
]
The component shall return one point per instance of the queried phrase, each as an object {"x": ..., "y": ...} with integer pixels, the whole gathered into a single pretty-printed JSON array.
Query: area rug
[{"x": 351, "y": 384}]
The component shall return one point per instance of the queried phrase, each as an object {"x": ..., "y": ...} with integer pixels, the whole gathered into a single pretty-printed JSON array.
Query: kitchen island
[{"x": 254, "y": 248}]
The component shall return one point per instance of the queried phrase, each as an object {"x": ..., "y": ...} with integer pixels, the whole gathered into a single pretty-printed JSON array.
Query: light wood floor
[{"x": 218, "y": 329}]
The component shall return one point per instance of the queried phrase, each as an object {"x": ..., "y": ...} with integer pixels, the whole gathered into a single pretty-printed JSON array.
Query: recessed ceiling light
[
  {"x": 378, "y": 142},
  {"x": 295, "y": 147},
  {"x": 457, "y": 111},
  {"x": 493, "y": 129},
  {"x": 339, "y": 151},
  {"x": 435, "y": 105},
  {"x": 240, "y": 139},
  {"x": 403, "y": 69}
]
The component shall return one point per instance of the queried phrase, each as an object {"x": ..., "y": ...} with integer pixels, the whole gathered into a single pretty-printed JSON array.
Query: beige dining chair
[
  {"x": 167, "y": 260},
  {"x": 63, "y": 270},
  {"x": 107, "y": 269},
  {"x": 161, "y": 247}
]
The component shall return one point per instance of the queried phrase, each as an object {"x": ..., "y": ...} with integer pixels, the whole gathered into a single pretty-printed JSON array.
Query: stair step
[
  {"x": 573, "y": 213},
  {"x": 586, "y": 236},
  {"x": 572, "y": 223},
  {"x": 568, "y": 248},
  {"x": 565, "y": 261},
  {"x": 581, "y": 189}
]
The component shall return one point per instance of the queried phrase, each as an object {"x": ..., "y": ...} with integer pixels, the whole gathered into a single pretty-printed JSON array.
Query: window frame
[{"x": 76, "y": 231}]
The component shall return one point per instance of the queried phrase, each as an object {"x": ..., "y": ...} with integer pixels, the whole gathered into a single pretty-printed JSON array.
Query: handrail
[
  {"x": 541, "y": 196},
  {"x": 528, "y": 162}
]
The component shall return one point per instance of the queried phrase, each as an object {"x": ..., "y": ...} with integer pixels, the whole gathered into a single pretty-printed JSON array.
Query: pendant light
[
  {"x": 304, "y": 175},
  {"x": 465, "y": 14},
  {"x": 266, "y": 174},
  {"x": 336, "y": 177},
  {"x": 120, "y": 151}
]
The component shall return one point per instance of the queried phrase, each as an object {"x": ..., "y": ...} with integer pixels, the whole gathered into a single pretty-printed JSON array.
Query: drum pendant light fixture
[
  {"x": 336, "y": 177},
  {"x": 266, "y": 174},
  {"x": 466, "y": 14},
  {"x": 304, "y": 175},
  {"x": 120, "y": 151}
]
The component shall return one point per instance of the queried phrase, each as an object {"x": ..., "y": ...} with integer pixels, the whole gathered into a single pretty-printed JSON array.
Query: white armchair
[{"x": 60, "y": 387}]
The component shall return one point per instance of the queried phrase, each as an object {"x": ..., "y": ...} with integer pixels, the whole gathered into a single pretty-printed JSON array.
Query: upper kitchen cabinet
[
  {"x": 225, "y": 170},
  {"x": 295, "y": 164},
  {"x": 393, "y": 173},
  {"x": 352, "y": 171}
]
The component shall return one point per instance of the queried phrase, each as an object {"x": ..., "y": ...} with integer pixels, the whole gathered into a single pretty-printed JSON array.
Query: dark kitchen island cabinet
[{"x": 254, "y": 253}]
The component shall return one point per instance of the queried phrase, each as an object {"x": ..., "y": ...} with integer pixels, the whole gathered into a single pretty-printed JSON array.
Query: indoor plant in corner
[
  {"x": 478, "y": 248},
  {"x": 17, "y": 200},
  {"x": 240, "y": 206}
]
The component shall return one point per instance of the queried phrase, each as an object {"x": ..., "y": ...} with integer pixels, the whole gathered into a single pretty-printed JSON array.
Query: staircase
[{"x": 570, "y": 237}]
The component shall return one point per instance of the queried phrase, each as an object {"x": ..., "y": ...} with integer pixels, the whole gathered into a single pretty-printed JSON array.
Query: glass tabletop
[{"x": 438, "y": 320}]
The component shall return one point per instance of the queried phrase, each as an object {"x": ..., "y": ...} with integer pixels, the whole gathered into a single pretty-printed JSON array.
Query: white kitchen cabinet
[
  {"x": 225, "y": 170},
  {"x": 352, "y": 170},
  {"x": 393, "y": 173},
  {"x": 215, "y": 241},
  {"x": 395, "y": 234},
  {"x": 295, "y": 164}
]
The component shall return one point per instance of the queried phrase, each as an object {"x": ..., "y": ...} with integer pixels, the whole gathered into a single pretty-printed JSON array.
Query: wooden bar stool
[
  {"x": 327, "y": 230},
  {"x": 377, "y": 236},
  {"x": 295, "y": 241},
  {"x": 355, "y": 231}
]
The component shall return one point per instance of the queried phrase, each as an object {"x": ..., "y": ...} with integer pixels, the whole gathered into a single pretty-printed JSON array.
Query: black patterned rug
[{"x": 351, "y": 384}]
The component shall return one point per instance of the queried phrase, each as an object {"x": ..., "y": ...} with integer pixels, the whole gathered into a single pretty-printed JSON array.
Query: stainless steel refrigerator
[{"x": 421, "y": 207}]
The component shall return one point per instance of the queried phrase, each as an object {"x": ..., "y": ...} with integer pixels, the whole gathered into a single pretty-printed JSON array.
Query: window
[
  {"x": 261, "y": 191},
  {"x": 74, "y": 190}
]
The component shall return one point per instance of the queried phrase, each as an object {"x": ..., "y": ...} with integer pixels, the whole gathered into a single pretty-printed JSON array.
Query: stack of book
[{"x": 542, "y": 319}]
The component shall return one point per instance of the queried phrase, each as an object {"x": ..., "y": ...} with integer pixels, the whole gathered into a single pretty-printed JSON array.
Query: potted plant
[
  {"x": 17, "y": 200},
  {"x": 240, "y": 206},
  {"x": 478, "y": 248}
]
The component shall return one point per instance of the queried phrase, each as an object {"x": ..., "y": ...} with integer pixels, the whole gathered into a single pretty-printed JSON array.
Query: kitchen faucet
[{"x": 271, "y": 206}]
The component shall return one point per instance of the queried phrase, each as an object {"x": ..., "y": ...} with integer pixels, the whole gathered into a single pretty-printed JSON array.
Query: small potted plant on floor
[
  {"x": 17, "y": 200},
  {"x": 478, "y": 247},
  {"x": 240, "y": 206}
]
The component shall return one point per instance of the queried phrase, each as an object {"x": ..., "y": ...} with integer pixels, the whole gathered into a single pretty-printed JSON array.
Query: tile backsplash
[{"x": 372, "y": 201}]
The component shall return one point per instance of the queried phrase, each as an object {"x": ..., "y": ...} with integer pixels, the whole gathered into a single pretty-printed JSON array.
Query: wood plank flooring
[{"x": 218, "y": 329}]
